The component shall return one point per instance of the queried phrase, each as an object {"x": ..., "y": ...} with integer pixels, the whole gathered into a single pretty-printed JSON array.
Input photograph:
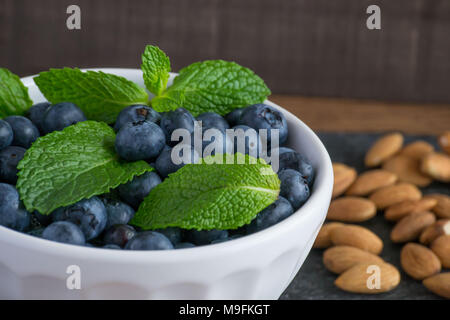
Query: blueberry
[
  {"x": 118, "y": 212},
  {"x": 17, "y": 219},
  {"x": 184, "y": 245},
  {"x": 62, "y": 115},
  {"x": 233, "y": 118},
  {"x": 212, "y": 120},
  {"x": 119, "y": 234},
  {"x": 293, "y": 187},
  {"x": 89, "y": 214},
  {"x": 137, "y": 189},
  {"x": 65, "y": 232},
  {"x": 6, "y": 134},
  {"x": 36, "y": 114},
  {"x": 262, "y": 116},
  {"x": 139, "y": 141},
  {"x": 276, "y": 212},
  {"x": 9, "y": 197},
  {"x": 112, "y": 246},
  {"x": 9, "y": 158},
  {"x": 205, "y": 236},
  {"x": 249, "y": 139},
  {"x": 25, "y": 132},
  {"x": 172, "y": 233},
  {"x": 164, "y": 164},
  {"x": 149, "y": 240},
  {"x": 293, "y": 160},
  {"x": 136, "y": 113},
  {"x": 176, "y": 119}
]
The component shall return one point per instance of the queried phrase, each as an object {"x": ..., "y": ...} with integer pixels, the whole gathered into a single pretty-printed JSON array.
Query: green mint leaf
[
  {"x": 100, "y": 95},
  {"x": 210, "y": 196},
  {"x": 213, "y": 86},
  {"x": 14, "y": 98},
  {"x": 67, "y": 166},
  {"x": 156, "y": 68}
]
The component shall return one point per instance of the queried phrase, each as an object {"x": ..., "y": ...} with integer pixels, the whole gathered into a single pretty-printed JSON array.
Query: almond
[
  {"x": 356, "y": 236},
  {"x": 410, "y": 227},
  {"x": 388, "y": 196},
  {"x": 444, "y": 141},
  {"x": 417, "y": 149},
  {"x": 344, "y": 176},
  {"x": 442, "y": 208},
  {"x": 359, "y": 278},
  {"x": 402, "y": 209},
  {"x": 323, "y": 238},
  {"x": 371, "y": 181},
  {"x": 407, "y": 169},
  {"x": 437, "y": 229},
  {"x": 340, "y": 258},
  {"x": 418, "y": 261},
  {"x": 437, "y": 165},
  {"x": 441, "y": 246},
  {"x": 351, "y": 209},
  {"x": 439, "y": 284},
  {"x": 383, "y": 149}
]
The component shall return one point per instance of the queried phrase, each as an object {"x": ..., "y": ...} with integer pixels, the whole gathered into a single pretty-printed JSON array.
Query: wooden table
[{"x": 344, "y": 115}]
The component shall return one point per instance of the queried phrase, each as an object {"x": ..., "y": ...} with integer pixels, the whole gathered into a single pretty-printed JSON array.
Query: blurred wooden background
[
  {"x": 305, "y": 47},
  {"x": 301, "y": 48}
]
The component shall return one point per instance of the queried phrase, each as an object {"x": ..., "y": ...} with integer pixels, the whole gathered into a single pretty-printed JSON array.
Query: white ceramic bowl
[{"x": 259, "y": 266}]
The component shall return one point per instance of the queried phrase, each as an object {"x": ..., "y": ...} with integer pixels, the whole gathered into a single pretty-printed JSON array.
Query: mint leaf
[
  {"x": 14, "y": 98},
  {"x": 100, "y": 95},
  {"x": 213, "y": 85},
  {"x": 210, "y": 196},
  {"x": 156, "y": 68},
  {"x": 67, "y": 166}
]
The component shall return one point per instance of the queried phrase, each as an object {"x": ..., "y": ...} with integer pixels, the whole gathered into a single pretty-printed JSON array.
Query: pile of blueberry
[{"x": 142, "y": 134}]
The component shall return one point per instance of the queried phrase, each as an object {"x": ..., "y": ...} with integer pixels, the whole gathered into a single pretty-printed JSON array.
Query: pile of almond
[{"x": 392, "y": 184}]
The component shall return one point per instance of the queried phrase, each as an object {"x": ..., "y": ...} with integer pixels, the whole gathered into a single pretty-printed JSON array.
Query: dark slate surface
[{"x": 314, "y": 281}]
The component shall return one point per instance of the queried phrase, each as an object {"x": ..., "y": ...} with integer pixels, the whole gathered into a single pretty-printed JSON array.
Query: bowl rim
[{"x": 322, "y": 192}]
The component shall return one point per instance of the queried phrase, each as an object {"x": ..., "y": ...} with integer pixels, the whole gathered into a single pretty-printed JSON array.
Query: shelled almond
[
  {"x": 356, "y": 279},
  {"x": 418, "y": 261},
  {"x": 341, "y": 258},
  {"x": 437, "y": 229},
  {"x": 441, "y": 247},
  {"x": 407, "y": 170},
  {"x": 344, "y": 176},
  {"x": 417, "y": 149},
  {"x": 410, "y": 227},
  {"x": 356, "y": 236},
  {"x": 371, "y": 181},
  {"x": 442, "y": 208},
  {"x": 402, "y": 209},
  {"x": 444, "y": 141},
  {"x": 397, "y": 193},
  {"x": 437, "y": 166},
  {"x": 383, "y": 149},
  {"x": 351, "y": 209},
  {"x": 323, "y": 238},
  {"x": 439, "y": 284}
]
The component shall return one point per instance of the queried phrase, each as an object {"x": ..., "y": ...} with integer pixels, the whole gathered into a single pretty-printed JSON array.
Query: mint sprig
[
  {"x": 67, "y": 166},
  {"x": 100, "y": 95},
  {"x": 156, "y": 68},
  {"x": 14, "y": 98},
  {"x": 212, "y": 86},
  {"x": 210, "y": 196}
]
